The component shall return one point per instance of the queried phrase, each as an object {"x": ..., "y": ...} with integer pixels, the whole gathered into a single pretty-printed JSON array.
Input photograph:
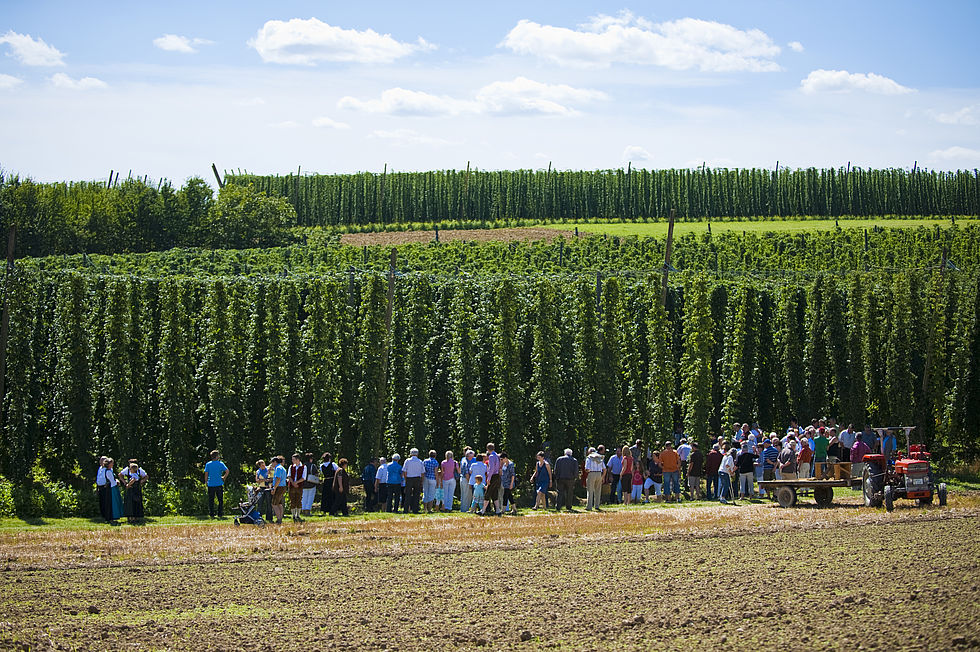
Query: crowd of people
[{"x": 484, "y": 483}]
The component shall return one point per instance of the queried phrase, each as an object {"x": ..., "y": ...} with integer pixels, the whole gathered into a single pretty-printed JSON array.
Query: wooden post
[
  {"x": 214, "y": 168},
  {"x": 109, "y": 182},
  {"x": 5, "y": 323},
  {"x": 670, "y": 245},
  {"x": 576, "y": 231},
  {"x": 466, "y": 191},
  {"x": 436, "y": 225},
  {"x": 381, "y": 202}
]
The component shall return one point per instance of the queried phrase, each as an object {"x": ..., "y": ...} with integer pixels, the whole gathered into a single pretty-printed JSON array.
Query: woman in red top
[{"x": 626, "y": 476}]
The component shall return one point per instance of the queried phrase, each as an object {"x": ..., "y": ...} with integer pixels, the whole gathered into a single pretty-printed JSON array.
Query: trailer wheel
[
  {"x": 925, "y": 501},
  {"x": 824, "y": 496},
  {"x": 236, "y": 522},
  {"x": 872, "y": 497},
  {"x": 942, "y": 494},
  {"x": 786, "y": 496},
  {"x": 889, "y": 498}
]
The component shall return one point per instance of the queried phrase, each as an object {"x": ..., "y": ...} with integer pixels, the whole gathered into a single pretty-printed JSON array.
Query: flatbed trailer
[{"x": 823, "y": 490}]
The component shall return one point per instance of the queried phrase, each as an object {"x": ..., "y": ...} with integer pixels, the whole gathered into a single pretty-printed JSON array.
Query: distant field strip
[{"x": 659, "y": 229}]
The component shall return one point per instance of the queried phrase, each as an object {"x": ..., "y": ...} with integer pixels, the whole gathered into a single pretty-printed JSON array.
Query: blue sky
[{"x": 165, "y": 89}]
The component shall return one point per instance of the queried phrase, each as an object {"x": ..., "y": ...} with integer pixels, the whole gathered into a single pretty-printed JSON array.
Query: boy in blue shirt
[{"x": 215, "y": 472}]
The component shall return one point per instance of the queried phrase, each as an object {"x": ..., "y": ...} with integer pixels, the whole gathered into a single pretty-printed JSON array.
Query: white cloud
[
  {"x": 9, "y": 81},
  {"x": 308, "y": 41},
  {"x": 520, "y": 96},
  {"x": 968, "y": 115},
  {"x": 408, "y": 137},
  {"x": 61, "y": 80},
  {"x": 330, "y": 123},
  {"x": 250, "y": 101},
  {"x": 683, "y": 44},
  {"x": 637, "y": 154},
  {"x": 176, "y": 43},
  {"x": 956, "y": 153},
  {"x": 841, "y": 81},
  {"x": 32, "y": 52},
  {"x": 795, "y": 46},
  {"x": 526, "y": 96},
  {"x": 401, "y": 101}
]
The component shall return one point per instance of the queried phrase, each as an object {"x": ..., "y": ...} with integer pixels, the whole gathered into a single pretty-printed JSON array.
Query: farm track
[{"x": 816, "y": 580}]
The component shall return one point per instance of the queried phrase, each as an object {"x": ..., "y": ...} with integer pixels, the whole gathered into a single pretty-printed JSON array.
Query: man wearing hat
[{"x": 394, "y": 484}]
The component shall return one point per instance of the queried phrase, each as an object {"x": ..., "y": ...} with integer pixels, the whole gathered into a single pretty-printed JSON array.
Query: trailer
[{"x": 823, "y": 489}]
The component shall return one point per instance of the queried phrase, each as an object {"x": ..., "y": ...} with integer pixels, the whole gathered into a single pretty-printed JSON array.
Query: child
[
  {"x": 636, "y": 496},
  {"x": 479, "y": 492}
]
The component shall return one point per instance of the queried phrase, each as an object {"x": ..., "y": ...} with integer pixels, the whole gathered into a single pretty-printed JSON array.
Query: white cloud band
[
  {"x": 841, "y": 81},
  {"x": 306, "y": 42},
  {"x": 683, "y": 44},
  {"x": 32, "y": 52}
]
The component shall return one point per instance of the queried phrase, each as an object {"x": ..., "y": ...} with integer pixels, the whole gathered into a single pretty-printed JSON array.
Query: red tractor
[{"x": 909, "y": 476}]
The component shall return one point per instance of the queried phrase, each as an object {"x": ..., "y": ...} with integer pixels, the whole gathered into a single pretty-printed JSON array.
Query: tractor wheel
[
  {"x": 871, "y": 487},
  {"x": 942, "y": 494},
  {"x": 889, "y": 498},
  {"x": 236, "y": 522},
  {"x": 824, "y": 496},
  {"x": 925, "y": 501},
  {"x": 786, "y": 496}
]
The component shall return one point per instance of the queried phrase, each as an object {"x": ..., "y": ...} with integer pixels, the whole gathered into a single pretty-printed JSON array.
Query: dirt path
[
  {"x": 516, "y": 234},
  {"x": 907, "y": 583}
]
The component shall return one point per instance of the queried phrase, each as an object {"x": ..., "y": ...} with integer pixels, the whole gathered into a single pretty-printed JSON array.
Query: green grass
[{"x": 659, "y": 229}]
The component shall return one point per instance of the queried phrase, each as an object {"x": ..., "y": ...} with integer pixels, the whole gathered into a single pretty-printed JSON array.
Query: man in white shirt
[
  {"x": 684, "y": 451},
  {"x": 381, "y": 483},
  {"x": 725, "y": 473},
  {"x": 412, "y": 471},
  {"x": 595, "y": 465}
]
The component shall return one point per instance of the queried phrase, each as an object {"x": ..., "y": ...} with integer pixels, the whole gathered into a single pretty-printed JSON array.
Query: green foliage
[
  {"x": 696, "y": 374},
  {"x": 661, "y": 372},
  {"x": 372, "y": 361},
  {"x": 243, "y": 217},
  {"x": 741, "y": 359},
  {"x": 545, "y": 381}
]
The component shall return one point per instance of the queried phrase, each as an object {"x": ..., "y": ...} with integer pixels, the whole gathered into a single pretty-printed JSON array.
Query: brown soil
[
  {"x": 518, "y": 234},
  {"x": 897, "y": 584}
]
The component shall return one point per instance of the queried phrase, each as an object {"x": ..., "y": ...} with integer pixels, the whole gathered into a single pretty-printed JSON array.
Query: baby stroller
[{"x": 249, "y": 508}]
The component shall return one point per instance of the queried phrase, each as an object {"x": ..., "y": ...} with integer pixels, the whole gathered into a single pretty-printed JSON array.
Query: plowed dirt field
[
  {"x": 863, "y": 579},
  {"x": 518, "y": 234}
]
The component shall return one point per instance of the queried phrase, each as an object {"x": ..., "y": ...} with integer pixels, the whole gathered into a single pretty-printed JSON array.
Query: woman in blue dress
[{"x": 115, "y": 494}]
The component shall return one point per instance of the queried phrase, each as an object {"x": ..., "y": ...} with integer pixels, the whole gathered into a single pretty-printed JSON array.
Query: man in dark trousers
[{"x": 566, "y": 473}]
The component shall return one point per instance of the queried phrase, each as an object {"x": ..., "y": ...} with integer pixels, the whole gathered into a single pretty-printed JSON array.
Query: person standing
[
  {"x": 449, "y": 475},
  {"x": 381, "y": 485},
  {"x": 770, "y": 457},
  {"x": 542, "y": 481},
  {"x": 327, "y": 470},
  {"x": 508, "y": 480},
  {"x": 566, "y": 472},
  {"x": 495, "y": 492},
  {"x": 394, "y": 483},
  {"x": 670, "y": 462},
  {"x": 412, "y": 472},
  {"x": 133, "y": 478},
  {"x": 803, "y": 459},
  {"x": 655, "y": 477},
  {"x": 626, "y": 476},
  {"x": 367, "y": 481},
  {"x": 310, "y": 485},
  {"x": 297, "y": 476},
  {"x": 477, "y": 468},
  {"x": 820, "y": 444},
  {"x": 684, "y": 452},
  {"x": 341, "y": 489},
  {"x": 847, "y": 438},
  {"x": 725, "y": 473},
  {"x": 104, "y": 483},
  {"x": 278, "y": 487},
  {"x": 466, "y": 486},
  {"x": 787, "y": 461},
  {"x": 858, "y": 451},
  {"x": 595, "y": 467},
  {"x": 430, "y": 482},
  {"x": 615, "y": 469},
  {"x": 711, "y": 465},
  {"x": 746, "y": 471},
  {"x": 262, "y": 484},
  {"x": 695, "y": 471},
  {"x": 216, "y": 472}
]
